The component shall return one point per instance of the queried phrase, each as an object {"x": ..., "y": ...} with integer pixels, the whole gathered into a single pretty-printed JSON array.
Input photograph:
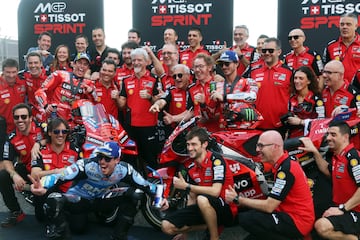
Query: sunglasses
[
  {"x": 63, "y": 131},
  {"x": 23, "y": 117},
  {"x": 270, "y": 50},
  {"x": 221, "y": 64},
  {"x": 179, "y": 75},
  {"x": 106, "y": 158},
  {"x": 295, "y": 37}
]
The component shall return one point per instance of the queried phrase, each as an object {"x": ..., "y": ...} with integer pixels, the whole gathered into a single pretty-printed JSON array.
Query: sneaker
[{"x": 13, "y": 218}]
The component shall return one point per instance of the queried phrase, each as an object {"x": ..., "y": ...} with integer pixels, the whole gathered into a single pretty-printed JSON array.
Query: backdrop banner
[
  {"x": 64, "y": 19},
  {"x": 213, "y": 17},
  {"x": 318, "y": 18}
]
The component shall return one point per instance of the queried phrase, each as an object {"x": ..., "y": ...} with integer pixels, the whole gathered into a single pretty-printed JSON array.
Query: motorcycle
[{"x": 249, "y": 180}]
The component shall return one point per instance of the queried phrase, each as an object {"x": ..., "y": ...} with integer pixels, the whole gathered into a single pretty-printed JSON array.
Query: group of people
[{"x": 151, "y": 92}]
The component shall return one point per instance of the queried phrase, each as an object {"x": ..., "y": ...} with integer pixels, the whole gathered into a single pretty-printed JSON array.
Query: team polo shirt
[
  {"x": 213, "y": 169},
  {"x": 187, "y": 56},
  {"x": 20, "y": 145},
  {"x": 167, "y": 82},
  {"x": 9, "y": 97},
  {"x": 273, "y": 93},
  {"x": 103, "y": 95},
  {"x": 248, "y": 53},
  {"x": 138, "y": 108},
  {"x": 178, "y": 100},
  {"x": 50, "y": 160},
  {"x": 349, "y": 56},
  {"x": 306, "y": 58},
  {"x": 345, "y": 95},
  {"x": 345, "y": 173},
  {"x": 122, "y": 73},
  {"x": 291, "y": 188}
]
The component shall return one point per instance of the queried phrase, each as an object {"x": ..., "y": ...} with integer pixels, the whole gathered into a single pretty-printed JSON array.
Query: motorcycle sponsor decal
[
  {"x": 242, "y": 182},
  {"x": 235, "y": 167},
  {"x": 248, "y": 194}
]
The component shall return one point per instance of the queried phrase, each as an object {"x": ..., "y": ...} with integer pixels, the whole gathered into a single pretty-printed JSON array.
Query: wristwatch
[
  {"x": 188, "y": 188},
  {"x": 342, "y": 207},
  {"x": 236, "y": 200}
]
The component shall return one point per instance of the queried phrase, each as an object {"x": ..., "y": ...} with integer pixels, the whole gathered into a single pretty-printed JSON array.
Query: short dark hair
[
  {"x": 54, "y": 123},
  {"x": 196, "y": 29},
  {"x": 199, "y": 132},
  {"x": 263, "y": 36},
  {"x": 130, "y": 45},
  {"x": 109, "y": 62},
  {"x": 44, "y": 34},
  {"x": 273, "y": 39},
  {"x": 113, "y": 50},
  {"x": 9, "y": 62},
  {"x": 134, "y": 30},
  {"x": 33, "y": 54},
  {"x": 344, "y": 128},
  {"x": 82, "y": 36},
  {"x": 22, "y": 105}
]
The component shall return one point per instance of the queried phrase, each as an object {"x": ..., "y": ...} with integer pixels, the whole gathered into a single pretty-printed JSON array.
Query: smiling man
[
  {"x": 61, "y": 88},
  {"x": 18, "y": 144}
]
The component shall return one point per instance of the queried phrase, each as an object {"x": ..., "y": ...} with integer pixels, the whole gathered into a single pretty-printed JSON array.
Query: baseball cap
[
  {"x": 82, "y": 56},
  {"x": 109, "y": 149},
  {"x": 228, "y": 56}
]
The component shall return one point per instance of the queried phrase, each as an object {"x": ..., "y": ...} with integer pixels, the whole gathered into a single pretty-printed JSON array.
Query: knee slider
[{"x": 54, "y": 204}]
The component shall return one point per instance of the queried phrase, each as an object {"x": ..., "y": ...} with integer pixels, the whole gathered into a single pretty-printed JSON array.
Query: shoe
[
  {"x": 54, "y": 232},
  {"x": 13, "y": 218}
]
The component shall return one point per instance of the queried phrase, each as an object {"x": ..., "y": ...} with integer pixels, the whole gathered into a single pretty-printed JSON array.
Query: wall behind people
[
  {"x": 214, "y": 18},
  {"x": 319, "y": 19},
  {"x": 63, "y": 19}
]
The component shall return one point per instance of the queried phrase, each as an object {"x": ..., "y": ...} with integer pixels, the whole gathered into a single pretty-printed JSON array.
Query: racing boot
[
  {"x": 58, "y": 232},
  {"x": 121, "y": 228}
]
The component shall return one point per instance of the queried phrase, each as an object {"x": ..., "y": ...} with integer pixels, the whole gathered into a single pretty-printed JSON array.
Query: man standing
[
  {"x": 342, "y": 165},
  {"x": 207, "y": 177},
  {"x": 18, "y": 144},
  {"x": 99, "y": 51},
  {"x": 194, "y": 39},
  {"x": 288, "y": 211},
  {"x": 170, "y": 58},
  {"x": 134, "y": 35},
  {"x": 346, "y": 47},
  {"x": 273, "y": 80},
  {"x": 44, "y": 44},
  {"x": 136, "y": 96},
  {"x": 106, "y": 91},
  {"x": 338, "y": 91},
  {"x": 61, "y": 88},
  {"x": 12, "y": 91},
  {"x": 302, "y": 55}
]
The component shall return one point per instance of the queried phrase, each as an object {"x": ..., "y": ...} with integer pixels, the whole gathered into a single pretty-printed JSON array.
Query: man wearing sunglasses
[
  {"x": 94, "y": 179},
  {"x": 58, "y": 153},
  {"x": 288, "y": 211},
  {"x": 18, "y": 146},
  {"x": 301, "y": 55},
  {"x": 273, "y": 80}
]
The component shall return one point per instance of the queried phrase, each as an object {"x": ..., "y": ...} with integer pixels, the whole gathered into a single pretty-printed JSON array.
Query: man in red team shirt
[
  {"x": 338, "y": 92},
  {"x": 346, "y": 47},
  {"x": 273, "y": 80},
  {"x": 107, "y": 92},
  {"x": 12, "y": 91},
  {"x": 195, "y": 47},
  {"x": 18, "y": 145},
  {"x": 342, "y": 164},
  {"x": 288, "y": 211}
]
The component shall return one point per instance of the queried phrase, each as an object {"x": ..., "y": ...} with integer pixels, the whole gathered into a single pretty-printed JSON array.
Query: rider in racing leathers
[{"x": 93, "y": 188}]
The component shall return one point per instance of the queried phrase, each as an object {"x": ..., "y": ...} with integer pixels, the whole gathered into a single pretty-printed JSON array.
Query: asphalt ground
[{"x": 31, "y": 229}]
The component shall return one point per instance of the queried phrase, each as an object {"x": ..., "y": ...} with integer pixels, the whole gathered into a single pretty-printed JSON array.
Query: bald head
[
  {"x": 336, "y": 65},
  {"x": 272, "y": 136},
  {"x": 296, "y": 31}
]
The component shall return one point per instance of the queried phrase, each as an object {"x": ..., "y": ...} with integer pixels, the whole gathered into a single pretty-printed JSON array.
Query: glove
[
  {"x": 248, "y": 114},
  {"x": 49, "y": 180}
]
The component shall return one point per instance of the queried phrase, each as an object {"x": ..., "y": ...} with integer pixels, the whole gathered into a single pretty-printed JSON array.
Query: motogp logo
[
  {"x": 322, "y": 1},
  {"x": 169, "y": 1},
  {"x": 56, "y": 7}
]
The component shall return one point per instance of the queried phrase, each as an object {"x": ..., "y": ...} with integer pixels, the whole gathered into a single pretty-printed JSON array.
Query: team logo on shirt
[
  {"x": 281, "y": 175},
  {"x": 7, "y": 101},
  {"x": 178, "y": 105},
  {"x": 131, "y": 91},
  {"x": 319, "y": 103},
  {"x": 23, "y": 152},
  {"x": 217, "y": 162},
  {"x": 354, "y": 162},
  {"x": 358, "y": 97}
]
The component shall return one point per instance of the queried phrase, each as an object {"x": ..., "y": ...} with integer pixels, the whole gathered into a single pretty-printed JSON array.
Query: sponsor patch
[{"x": 281, "y": 175}]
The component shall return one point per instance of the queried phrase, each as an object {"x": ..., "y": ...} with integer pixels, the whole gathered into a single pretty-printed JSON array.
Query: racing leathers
[{"x": 94, "y": 190}]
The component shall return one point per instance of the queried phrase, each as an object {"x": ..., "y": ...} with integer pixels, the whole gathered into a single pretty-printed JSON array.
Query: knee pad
[{"x": 54, "y": 204}]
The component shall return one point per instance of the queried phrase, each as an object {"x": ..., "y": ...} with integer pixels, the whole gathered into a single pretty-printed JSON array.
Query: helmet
[{"x": 109, "y": 149}]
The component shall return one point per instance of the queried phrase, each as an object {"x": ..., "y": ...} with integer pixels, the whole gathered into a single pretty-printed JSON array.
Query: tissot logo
[{"x": 56, "y": 7}]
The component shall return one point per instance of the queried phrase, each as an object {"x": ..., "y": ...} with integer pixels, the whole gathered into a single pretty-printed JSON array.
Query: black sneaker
[
  {"x": 13, "y": 218},
  {"x": 54, "y": 232}
]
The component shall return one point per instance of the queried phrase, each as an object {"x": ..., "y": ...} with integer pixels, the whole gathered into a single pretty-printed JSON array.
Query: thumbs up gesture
[
  {"x": 179, "y": 182},
  {"x": 168, "y": 118}
]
